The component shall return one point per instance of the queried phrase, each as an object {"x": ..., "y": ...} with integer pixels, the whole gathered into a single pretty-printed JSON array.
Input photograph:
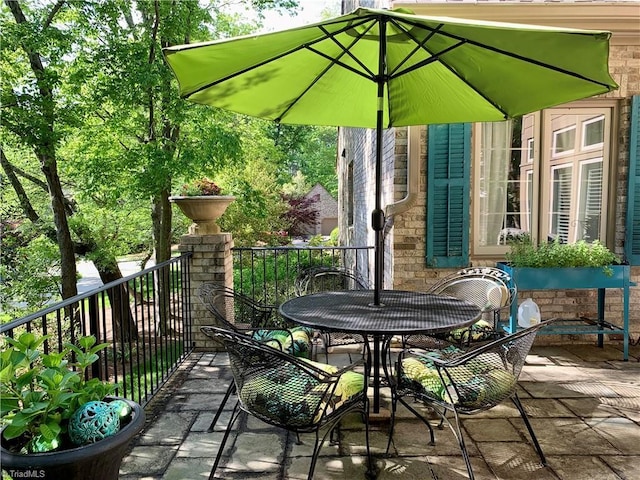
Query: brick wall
[
  {"x": 212, "y": 261},
  {"x": 405, "y": 246}
]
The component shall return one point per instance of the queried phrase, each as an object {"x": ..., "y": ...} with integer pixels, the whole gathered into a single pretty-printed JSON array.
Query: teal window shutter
[
  {"x": 632, "y": 241},
  {"x": 448, "y": 184}
]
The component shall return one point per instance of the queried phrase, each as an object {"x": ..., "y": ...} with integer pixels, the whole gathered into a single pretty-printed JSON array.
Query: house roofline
[{"x": 620, "y": 18}]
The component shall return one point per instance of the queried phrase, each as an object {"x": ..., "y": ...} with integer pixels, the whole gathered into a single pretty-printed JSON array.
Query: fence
[
  {"x": 268, "y": 274},
  {"x": 144, "y": 318}
]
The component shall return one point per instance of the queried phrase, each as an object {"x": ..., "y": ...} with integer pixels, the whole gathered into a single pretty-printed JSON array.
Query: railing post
[
  {"x": 211, "y": 261},
  {"x": 94, "y": 329}
]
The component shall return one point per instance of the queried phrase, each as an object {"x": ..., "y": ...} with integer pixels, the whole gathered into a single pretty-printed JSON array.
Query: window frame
[
  {"x": 592, "y": 146},
  {"x": 539, "y": 221}
]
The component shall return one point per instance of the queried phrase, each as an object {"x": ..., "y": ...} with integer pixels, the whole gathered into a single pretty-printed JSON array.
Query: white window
[
  {"x": 564, "y": 140},
  {"x": 593, "y": 133},
  {"x": 560, "y": 212},
  {"x": 530, "y": 154},
  {"x": 545, "y": 174}
]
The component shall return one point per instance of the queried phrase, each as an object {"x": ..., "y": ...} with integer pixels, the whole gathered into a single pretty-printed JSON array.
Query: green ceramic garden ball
[
  {"x": 122, "y": 407},
  {"x": 93, "y": 421}
]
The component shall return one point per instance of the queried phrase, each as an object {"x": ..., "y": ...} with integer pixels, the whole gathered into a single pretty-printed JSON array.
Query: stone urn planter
[{"x": 204, "y": 211}]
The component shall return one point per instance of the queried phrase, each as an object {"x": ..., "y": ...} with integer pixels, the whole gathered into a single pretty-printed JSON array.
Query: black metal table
[{"x": 399, "y": 313}]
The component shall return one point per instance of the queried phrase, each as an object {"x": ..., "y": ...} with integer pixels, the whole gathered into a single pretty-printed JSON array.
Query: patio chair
[
  {"x": 464, "y": 382},
  {"x": 295, "y": 394},
  {"x": 239, "y": 313},
  {"x": 323, "y": 279},
  {"x": 486, "y": 287}
]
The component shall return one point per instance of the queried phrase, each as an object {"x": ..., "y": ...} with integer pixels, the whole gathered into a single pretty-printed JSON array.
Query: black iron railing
[
  {"x": 268, "y": 274},
  {"x": 144, "y": 318}
]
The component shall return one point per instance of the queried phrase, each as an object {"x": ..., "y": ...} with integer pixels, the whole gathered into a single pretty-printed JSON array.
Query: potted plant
[
  {"x": 202, "y": 202},
  {"x": 573, "y": 265},
  {"x": 560, "y": 266},
  {"x": 57, "y": 422}
]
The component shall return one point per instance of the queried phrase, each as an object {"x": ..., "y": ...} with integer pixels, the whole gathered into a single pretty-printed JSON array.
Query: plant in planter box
[
  {"x": 57, "y": 422},
  {"x": 581, "y": 265},
  {"x": 524, "y": 253}
]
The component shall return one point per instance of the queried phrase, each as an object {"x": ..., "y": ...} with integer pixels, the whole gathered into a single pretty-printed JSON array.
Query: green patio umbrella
[{"x": 384, "y": 68}]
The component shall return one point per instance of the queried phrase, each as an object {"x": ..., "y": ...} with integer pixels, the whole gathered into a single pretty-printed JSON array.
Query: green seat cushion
[
  {"x": 295, "y": 341},
  {"x": 286, "y": 396},
  {"x": 479, "y": 332},
  {"x": 476, "y": 384}
]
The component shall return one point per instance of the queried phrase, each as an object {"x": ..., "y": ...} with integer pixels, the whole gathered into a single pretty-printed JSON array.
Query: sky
[{"x": 310, "y": 11}]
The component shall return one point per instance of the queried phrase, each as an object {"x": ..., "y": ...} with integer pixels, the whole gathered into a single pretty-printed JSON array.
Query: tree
[
  {"x": 33, "y": 53},
  {"x": 52, "y": 91}
]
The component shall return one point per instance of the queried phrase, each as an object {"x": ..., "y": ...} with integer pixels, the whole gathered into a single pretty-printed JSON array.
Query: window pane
[
  {"x": 555, "y": 180},
  {"x": 526, "y": 214},
  {"x": 593, "y": 132},
  {"x": 561, "y": 207},
  {"x": 590, "y": 204},
  {"x": 500, "y": 186},
  {"x": 564, "y": 140}
]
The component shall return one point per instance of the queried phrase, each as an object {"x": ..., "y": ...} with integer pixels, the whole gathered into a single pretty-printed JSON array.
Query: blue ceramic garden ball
[{"x": 93, "y": 421}]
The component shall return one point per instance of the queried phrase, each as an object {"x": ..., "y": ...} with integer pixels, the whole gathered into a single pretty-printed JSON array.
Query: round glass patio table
[{"x": 399, "y": 313}]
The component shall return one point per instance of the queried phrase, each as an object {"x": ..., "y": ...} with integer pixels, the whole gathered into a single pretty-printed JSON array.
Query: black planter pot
[{"x": 97, "y": 461}]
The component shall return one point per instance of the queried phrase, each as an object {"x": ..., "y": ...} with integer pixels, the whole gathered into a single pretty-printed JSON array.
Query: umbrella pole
[{"x": 377, "y": 216}]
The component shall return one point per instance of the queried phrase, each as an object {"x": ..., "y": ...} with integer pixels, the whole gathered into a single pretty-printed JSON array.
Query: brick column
[{"x": 212, "y": 261}]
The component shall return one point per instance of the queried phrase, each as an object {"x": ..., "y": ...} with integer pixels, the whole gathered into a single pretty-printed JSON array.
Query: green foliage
[
  {"x": 202, "y": 186},
  {"x": 123, "y": 138},
  {"x": 40, "y": 391},
  {"x": 524, "y": 253},
  {"x": 334, "y": 237},
  {"x": 30, "y": 274}
]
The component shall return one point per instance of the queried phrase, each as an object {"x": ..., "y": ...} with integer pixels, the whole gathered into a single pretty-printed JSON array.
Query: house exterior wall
[
  {"x": 327, "y": 210},
  {"x": 359, "y": 151},
  {"x": 405, "y": 245}
]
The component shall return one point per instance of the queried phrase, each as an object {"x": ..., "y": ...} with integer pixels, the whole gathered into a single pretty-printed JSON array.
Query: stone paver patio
[{"x": 584, "y": 404}]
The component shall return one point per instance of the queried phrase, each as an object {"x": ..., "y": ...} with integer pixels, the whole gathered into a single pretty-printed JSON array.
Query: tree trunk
[
  {"x": 45, "y": 150},
  {"x": 161, "y": 214},
  {"x": 124, "y": 326}
]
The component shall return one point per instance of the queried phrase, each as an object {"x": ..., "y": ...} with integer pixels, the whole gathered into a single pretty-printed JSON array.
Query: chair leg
[
  {"x": 394, "y": 407},
  {"x": 234, "y": 416},
  {"x": 457, "y": 431},
  {"x": 424, "y": 420},
  {"x": 230, "y": 390},
  {"x": 516, "y": 400},
  {"x": 370, "y": 473}
]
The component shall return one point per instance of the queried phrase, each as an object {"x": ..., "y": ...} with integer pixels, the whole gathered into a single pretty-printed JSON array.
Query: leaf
[
  {"x": 13, "y": 431},
  {"x": 87, "y": 342},
  {"x": 50, "y": 430},
  {"x": 6, "y": 374},
  {"x": 8, "y": 405}
]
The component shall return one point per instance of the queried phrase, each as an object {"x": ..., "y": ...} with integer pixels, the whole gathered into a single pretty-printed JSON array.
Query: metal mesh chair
[
  {"x": 467, "y": 382},
  {"x": 292, "y": 393},
  {"x": 239, "y": 313},
  {"x": 324, "y": 279},
  {"x": 486, "y": 287}
]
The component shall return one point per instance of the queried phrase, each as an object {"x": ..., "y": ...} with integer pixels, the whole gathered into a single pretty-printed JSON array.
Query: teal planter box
[
  {"x": 570, "y": 278},
  {"x": 567, "y": 278}
]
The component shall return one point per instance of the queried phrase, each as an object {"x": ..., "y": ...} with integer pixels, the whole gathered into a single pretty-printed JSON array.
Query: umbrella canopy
[{"x": 380, "y": 68}]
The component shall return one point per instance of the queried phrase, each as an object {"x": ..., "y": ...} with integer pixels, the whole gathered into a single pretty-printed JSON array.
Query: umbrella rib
[
  {"x": 464, "y": 40},
  {"x": 332, "y": 62},
  {"x": 346, "y": 50},
  {"x": 277, "y": 57},
  {"x": 436, "y": 57},
  {"x": 419, "y": 44}
]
